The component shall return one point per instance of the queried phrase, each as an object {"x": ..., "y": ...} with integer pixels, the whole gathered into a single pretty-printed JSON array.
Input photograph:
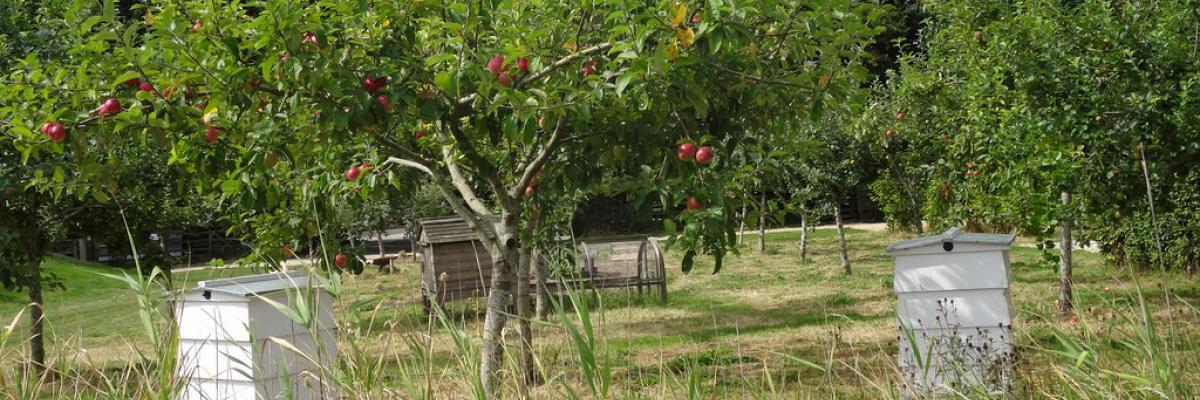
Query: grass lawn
[{"x": 737, "y": 334}]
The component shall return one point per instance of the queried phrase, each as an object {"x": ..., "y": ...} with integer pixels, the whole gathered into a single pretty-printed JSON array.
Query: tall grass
[{"x": 1127, "y": 348}]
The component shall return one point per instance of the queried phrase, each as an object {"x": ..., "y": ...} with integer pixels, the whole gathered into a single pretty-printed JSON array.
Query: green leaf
[
  {"x": 127, "y": 75},
  {"x": 623, "y": 81},
  {"x": 231, "y": 186},
  {"x": 689, "y": 260},
  {"x": 448, "y": 82}
]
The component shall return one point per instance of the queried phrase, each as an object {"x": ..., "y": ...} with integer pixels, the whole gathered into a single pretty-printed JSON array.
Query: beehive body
[
  {"x": 230, "y": 345},
  {"x": 955, "y": 310}
]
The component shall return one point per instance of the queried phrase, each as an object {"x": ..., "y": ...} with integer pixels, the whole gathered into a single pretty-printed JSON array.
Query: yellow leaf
[
  {"x": 569, "y": 46},
  {"x": 823, "y": 81},
  {"x": 686, "y": 36},
  {"x": 149, "y": 17},
  {"x": 672, "y": 51},
  {"x": 680, "y": 14},
  {"x": 208, "y": 116},
  {"x": 387, "y": 23}
]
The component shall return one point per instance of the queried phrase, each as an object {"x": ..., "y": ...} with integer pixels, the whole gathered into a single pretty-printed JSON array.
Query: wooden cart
[{"x": 456, "y": 266}]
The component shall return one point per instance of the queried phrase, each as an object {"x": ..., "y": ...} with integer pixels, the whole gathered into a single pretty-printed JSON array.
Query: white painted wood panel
[
  {"x": 216, "y": 360},
  {"x": 215, "y": 390},
  {"x": 959, "y": 248},
  {"x": 929, "y": 272},
  {"x": 955, "y": 308},
  {"x": 206, "y": 320}
]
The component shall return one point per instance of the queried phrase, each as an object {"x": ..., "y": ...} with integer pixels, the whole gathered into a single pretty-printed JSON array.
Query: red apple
[
  {"x": 889, "y": 133},
  {"x": 352, "y": 173},
  {"x": 373, "y": 84},
  {"x": 900, "y": 116},
  {"x": 310, "y": 39},
  {"x": 132, "y": 81},
  {"x": 523, "y": 64},
  {"x": 687, "y": 151},
  {"x": 693, "y": 203},
  {"x": 529, "y": 191},
  {"x": 496, "y": 64},
  {"x": 364, "y": 167},
  {"x": 419, "y": 134},
  {"x": 1073, "y": 321},
  {"x": 696, "y": 18},
  {"x": 978, "y": 36},
  {"x": 212, "y": 134},
  {"x": 55, "y": 131},
  {"x": 340, "y": 261},
  {"x": 383, "y": 101},
  {"x": 145, "y": 87},
  {"x": 109, "y": 107},
  {"x": 166, "y": 93},
  {"x": 196, "y": 27},
  {"x": 588, "y": 70},
  {"x": 504, "y": 79},
  {"x": 704, "y": 156}
]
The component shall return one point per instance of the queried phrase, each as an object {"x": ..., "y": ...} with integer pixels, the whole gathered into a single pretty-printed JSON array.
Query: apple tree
[
  {"x": 288, "y": 111},
  {"x": 1034, "y": 117}
]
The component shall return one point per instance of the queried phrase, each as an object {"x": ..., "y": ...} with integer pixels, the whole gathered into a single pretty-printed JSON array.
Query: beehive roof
[
  {"x": 446, "y": 230},
  {"x": 246, "y": 286},
  {"x": 954, "y": 235}
]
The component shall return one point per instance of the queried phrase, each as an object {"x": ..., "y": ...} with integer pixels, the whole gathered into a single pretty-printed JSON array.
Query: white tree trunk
[
  {"x": 837, "y": 216},
  {"x": 803, "y": 235},
  {"x": 762, "y": 223},
  {"x": 504, "y": 253},
  {"x": 742, "y": 228},
  {"x": 1066, "y": 300},
  {"x": 525, "y": 315}
]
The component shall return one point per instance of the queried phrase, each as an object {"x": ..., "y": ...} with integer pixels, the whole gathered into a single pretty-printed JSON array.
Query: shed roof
[
  {"x": 954, "y": 235},
  {"x": 246, "y": 286},
  {"x": 446, "y": 230}
]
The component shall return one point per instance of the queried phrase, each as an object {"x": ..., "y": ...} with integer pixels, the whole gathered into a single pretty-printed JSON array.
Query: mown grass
[{"x": 767, "y": 326}]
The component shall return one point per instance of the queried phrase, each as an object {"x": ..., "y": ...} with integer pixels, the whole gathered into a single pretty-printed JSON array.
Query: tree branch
[
  {"x": 409, "y": 163},
  {"x": 535, "y": 165},
  {"x": 547, "y": 70}
]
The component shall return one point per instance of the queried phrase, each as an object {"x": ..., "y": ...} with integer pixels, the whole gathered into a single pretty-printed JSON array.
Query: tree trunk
[
  {"x": 503, "y": 253},
  {"x": 1066, "y": 301},
  {"x": 543, "y": 295},
  {"x": 762, "y": 223},
  {"x": 379, "y": 241},
  {"x": 742, "y": 228},
  {"x": 37, "y": 340},
  {"x": 803, "y": 235},
  {"x": 524, "y": 316},
  {"x": 1150, "y": 201},
  {"x": 837, "y": 216}
]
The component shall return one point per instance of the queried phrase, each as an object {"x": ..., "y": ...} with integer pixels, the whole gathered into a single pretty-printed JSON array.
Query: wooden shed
[{"x": 454, "y": 263}]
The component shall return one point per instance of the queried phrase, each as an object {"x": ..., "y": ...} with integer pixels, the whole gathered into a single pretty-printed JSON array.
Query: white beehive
[
  {"x": 955, "y": 310},
  {"x": 229, "y": 339}
]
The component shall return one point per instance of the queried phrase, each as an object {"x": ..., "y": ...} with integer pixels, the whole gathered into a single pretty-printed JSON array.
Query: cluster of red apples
[{"x": 703, "y": 156}]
